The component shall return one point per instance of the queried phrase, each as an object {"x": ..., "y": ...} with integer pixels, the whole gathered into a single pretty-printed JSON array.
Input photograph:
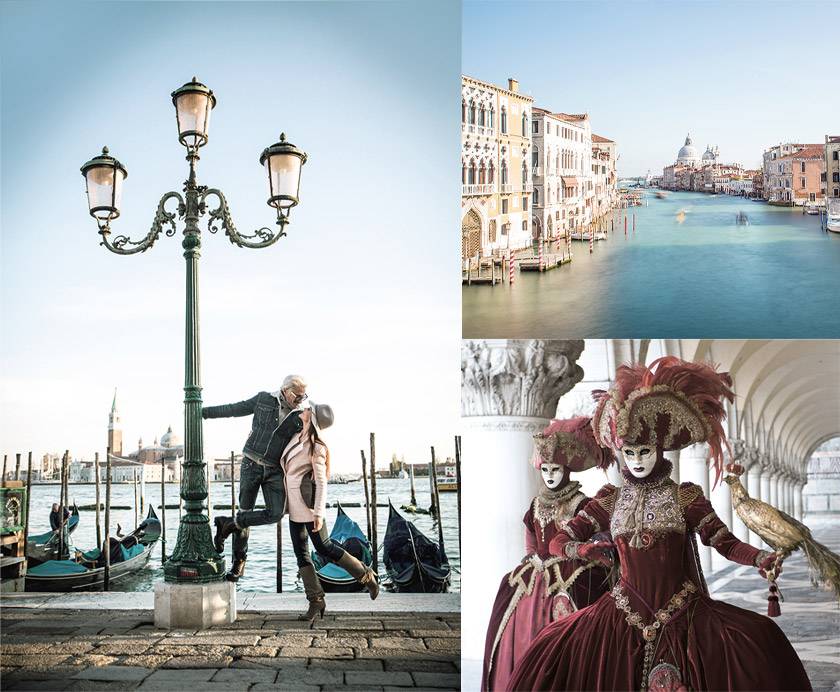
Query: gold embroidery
[
  {"x": 608, "y": 501},
  {"x": 720, "y": 534},
  {"x": 705, "y": 520},
  {"x": 647, "y": 511},
  {"x": 592, "y": 520},
  {"x": 688, "y": 493},
  {"x": 644, "y": 406},
  {"x": 661, "y": 618},
  {"x": 556, "y": 506}
]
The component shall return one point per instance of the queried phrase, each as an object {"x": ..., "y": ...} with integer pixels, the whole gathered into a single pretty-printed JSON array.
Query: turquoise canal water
[
  {"x": 704, "y": 277},
  {"x": 262, "y": 553}
]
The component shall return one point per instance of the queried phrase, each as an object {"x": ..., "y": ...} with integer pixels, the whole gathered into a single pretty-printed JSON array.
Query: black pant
[{"x": 326, "y": 548}]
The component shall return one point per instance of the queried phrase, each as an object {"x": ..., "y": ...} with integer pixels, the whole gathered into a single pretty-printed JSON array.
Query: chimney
[{"x": 513, "y": 85}]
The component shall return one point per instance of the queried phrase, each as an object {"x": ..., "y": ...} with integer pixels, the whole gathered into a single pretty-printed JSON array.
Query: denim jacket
[{"x": 273, "y": 426}]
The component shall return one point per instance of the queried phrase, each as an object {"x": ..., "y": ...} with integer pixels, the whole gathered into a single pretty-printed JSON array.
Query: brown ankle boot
[
  {"x": 237, "y": 570},
  {"x": 363, "y": 575},
  {"x": 314, "y": 593},
  {"x": 224, "y": 527}
]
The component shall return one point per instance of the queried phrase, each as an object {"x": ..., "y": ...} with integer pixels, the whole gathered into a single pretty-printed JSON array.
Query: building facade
[
  {"x": 604, "y": 176},
  {"x": 832, "y": 166},
  {"x": 495, "y": 168}
]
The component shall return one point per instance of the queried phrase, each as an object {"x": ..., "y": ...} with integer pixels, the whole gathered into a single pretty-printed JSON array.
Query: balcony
[
  {"x": 537, "y": 171},
  {"x": 507, "y": 188},
  {"x": 473, "y": 129},
  {"x": 481, "y": 189},
  {"x": 528, "y": 187}
]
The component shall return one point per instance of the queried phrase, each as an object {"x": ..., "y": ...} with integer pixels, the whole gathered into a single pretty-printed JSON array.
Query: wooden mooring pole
[
  {"x": 279, "y": 565},
  {"x": 28, "y": 497},
  {"x": 432, "y": 504},
  {"x": 135, "y": 498},
  {"x": 162, "y": 511},
  {"x": 98, "y": 499},
  {"x": 233, "y": 485},
  {"x": 437, "y": 504},
  {"x": 411, "y": 476},
  {"x": 458, "y": 480},
  {"x": 17, "y": 466},
  {"x": 373, "y": 519},
  {"x": 367, "y": 495},
  {"x": 61, "y": 506},
  {"x": 5, "y": 458},
  {"x": 106, "y": 545}
]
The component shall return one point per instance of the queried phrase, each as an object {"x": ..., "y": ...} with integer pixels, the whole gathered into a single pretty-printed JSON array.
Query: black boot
[
  {"x": 364, "y": 575},
  {"x": 314, "y": 593},
  {"x": 224, "y": 527},
  {"x": 236, "y": 570}
]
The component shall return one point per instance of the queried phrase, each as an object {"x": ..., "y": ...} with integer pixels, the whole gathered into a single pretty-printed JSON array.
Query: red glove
[
  {"x": 767, "y": 564},
  {"x": 599, "y": 551}
]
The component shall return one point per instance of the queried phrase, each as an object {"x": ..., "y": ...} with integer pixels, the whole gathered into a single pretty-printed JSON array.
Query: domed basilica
[{"x": 688, "y": 155}]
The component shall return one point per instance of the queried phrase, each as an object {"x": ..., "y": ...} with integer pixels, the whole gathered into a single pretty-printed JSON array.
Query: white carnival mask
[
  {"x": 639, "y": 459},
  {"x": 552, "y": 475}
]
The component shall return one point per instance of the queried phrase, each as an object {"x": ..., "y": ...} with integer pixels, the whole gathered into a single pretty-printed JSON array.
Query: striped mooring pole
[
  {"x": 591, "y": 241},
  {"x": 542, "y": 266},
  {"x": 634, "y": 222},
  {"x": 511, "y": 262},
  {"x": 625, "y": 224}
]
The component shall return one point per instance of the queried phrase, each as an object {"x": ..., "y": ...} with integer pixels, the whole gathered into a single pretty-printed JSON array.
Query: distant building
[
  {"x": 832, "y": 166},
  {"x": 496, "y": 183},
  {"x": 605, "y": 181},
  {"x": 778, "y": 174}
]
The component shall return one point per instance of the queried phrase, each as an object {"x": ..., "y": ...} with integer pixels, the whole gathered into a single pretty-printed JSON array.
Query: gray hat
[{"x": 322, "y": 416}]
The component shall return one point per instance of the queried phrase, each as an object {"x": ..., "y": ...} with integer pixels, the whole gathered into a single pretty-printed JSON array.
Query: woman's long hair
[{"x": 315, "y": 439}]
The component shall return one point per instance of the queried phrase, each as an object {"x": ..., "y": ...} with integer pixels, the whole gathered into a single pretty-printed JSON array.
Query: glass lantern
[
  {"x": 283, "y": 161},
  {"x": 104, "y": 177},
  {"x": 193, "y": 103}
]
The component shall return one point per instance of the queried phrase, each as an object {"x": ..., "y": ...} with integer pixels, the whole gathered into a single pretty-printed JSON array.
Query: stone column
[
  {"x": 738, "y": 528},
  {"x": 509, "y": 391},
  {"x": 798, "y": 509},
  {"x": 754, "y": 484},
  {"x": 693, "y": 469},
  {"x": 766, "y": 482},
  {"x": 674, "y": 458},
  {"x": 721, "y": 498},
  {"x": 774, "y": 486}
]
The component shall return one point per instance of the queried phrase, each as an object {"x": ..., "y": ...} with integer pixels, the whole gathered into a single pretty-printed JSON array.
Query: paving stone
[
  {"x": 404, "y": 624},
  {"x": 402, "y": 643},
  {"x": 93, "y": 660},
  {"x": 434, "y": 633},
  {"x": 145, "y": 661},
  {"x": 240, "y": 631},
  {"x": 100, "y": 685},
  {"x": 385, "y": 677},
  {"x": 267, "y": 651},
  {"x": 310, "y": 676},
  {"x": 38, "y": 647},
  {"x": 199, "y": 662},
  {"x": 339, "y": 642},
  {"x": 444, "y": 644},
  {"x": 265, "y": 687},
  {"x": 244, "y": 676},
  {"x": 64, "y": 672},
  {"x": 345, "y": 664},
  {"x": 221, "y": 639},
  {"x": 186, "y": 650},
  {"x": 451, "y": 680},
  {"x": 189, "y": 675},
  {"x": 370, "y": 625},
  {"x": 421, "y": 665},
  {"x": 392, "y": 653},
  {"x": 122, "y": 648},
  {"x": 114, "y": 673},
  {"x": 421, "y": 689},
  {"x": 304, "y": 640},
  {"x": 301, "y": 652},
  {"x": 35, "y": 661}
]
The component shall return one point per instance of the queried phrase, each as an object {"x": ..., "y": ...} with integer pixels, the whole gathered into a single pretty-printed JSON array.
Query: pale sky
[
  {"x": 741, "y": 75},
  {"x": 362, "y": 297}
]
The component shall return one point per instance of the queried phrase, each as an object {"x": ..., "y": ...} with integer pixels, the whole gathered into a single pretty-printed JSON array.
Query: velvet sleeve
[
  {"x": 701, "y": 517},
  {"x": 592, "y": 519},
  {"x": 530, "y": 534}
]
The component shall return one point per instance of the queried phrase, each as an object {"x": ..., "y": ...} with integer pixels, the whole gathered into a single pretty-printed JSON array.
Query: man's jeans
[{"x": 252, "y": 477}]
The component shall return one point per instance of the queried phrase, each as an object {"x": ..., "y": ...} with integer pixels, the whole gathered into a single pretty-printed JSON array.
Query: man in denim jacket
[{"x": 276, "y": 420}]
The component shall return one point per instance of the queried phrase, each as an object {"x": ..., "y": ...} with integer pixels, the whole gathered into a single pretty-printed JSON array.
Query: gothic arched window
[
  {"x": 504, "y": 120},
  {"x": 504, "y": 173},
  {"x": 472, "y": 112}
]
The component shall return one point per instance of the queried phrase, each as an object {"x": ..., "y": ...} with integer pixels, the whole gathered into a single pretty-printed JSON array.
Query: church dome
[
  {"x": 170, "y": 439},
  {"x": 688, "y": 154},
  {"x": 709, "y": 155}
]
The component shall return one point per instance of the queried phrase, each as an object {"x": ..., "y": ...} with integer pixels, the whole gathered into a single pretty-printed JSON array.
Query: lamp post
[{"x": 193, "y": 560}]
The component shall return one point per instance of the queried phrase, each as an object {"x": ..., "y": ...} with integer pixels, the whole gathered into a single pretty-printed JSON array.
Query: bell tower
[{"x": 115, "y": 429}]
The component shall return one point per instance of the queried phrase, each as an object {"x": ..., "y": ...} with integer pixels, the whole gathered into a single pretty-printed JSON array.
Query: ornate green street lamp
[{"x": 194, "y": 559}]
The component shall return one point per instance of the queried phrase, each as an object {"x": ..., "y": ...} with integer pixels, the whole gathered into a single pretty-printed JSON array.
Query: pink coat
[{"x": 297, "y": 460}]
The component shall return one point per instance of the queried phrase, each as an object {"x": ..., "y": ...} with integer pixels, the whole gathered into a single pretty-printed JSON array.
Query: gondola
[
  {"x": 87, "y": 570},
  {"x": 349, "y": 536},
  {"x": 44, "y": 546},
  {"x": 414, "y": 563}
]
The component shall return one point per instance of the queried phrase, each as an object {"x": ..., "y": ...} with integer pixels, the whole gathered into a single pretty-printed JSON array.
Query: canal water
[
  {"x": 689, "y": 270},
  {"x": 261, "y": 569}
]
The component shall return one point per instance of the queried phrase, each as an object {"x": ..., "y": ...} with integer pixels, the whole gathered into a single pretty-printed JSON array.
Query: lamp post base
[{"x": 194, "y": 606}]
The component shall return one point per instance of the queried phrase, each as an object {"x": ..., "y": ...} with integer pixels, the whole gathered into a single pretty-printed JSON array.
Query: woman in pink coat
[{"x": 306, "y": 467}]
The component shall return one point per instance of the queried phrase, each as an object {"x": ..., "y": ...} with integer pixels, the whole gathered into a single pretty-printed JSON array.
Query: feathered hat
[
  {"x": 571, "y": 443},
  {"x": 670, "y": 404}
]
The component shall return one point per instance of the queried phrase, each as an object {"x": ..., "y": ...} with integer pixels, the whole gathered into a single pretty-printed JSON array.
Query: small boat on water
[
  {"x": 349, "y": 536},
  {"x": 661, "y": 194},
  {"x": 414, "y": 563},
  {"x": 448, "y": 483},
  {"x": 575, "y": 235},
  {"x": 45, "y": 546},
  {"x": 812, "y": 209},
  {"x": 742, "y": 219},
  {"x": 86, "y": 570},
  {"x": 833, "y": 216}
]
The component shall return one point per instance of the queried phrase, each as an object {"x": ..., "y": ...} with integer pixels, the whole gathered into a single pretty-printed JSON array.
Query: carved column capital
[{"x": 517, "y": 377}]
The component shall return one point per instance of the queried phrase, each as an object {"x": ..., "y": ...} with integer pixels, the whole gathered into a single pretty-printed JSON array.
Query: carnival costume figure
[
  {"x": 544, "y": 588},
  {"x": 658, "y": 629}
]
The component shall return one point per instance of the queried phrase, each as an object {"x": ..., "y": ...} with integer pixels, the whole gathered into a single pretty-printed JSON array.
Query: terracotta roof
[
  {"x": 571, "y": 117},
  {"x": 598, "y": 138},
  {"x": 810, "y": 151}
]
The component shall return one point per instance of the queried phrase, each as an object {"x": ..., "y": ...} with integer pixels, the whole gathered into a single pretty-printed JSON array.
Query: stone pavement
[
  {"x": 810, "y": 616},
  {"x": 75, "y": 649}
]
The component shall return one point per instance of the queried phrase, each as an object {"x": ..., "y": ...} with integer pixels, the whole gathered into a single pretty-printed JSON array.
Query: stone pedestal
[
  {"x": 509, "y": 392},
  {"x": 194, "y": 606}
]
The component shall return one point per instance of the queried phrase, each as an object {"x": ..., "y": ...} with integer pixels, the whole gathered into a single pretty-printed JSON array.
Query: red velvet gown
[
  {"x": 539, "y": 590},
  {"x": 699, "y": 643}
]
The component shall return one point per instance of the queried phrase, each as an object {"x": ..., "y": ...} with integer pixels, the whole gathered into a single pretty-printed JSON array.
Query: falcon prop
[{"x": 784, "y": 534}]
